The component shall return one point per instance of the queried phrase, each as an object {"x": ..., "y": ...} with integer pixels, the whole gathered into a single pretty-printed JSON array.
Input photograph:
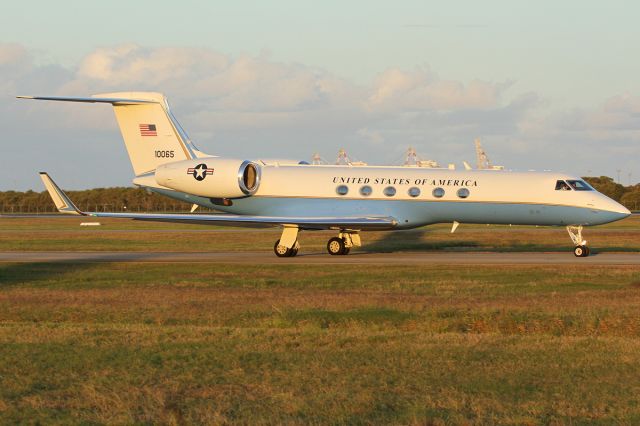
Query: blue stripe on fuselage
[{"x": 410, "y": 214}]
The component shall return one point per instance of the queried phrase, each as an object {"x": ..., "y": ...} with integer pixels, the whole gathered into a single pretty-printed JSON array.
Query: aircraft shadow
[
  {"x": 414, "y": 240},
  {"x": 28, "y": 273}
]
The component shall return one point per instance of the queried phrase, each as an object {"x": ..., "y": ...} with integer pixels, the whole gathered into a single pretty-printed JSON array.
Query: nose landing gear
[{"x": 581, "y": 249}]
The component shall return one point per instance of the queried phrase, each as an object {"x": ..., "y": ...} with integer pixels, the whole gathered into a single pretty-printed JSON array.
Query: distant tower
[
  {"x": 481, "y": 156},
  {"x": 413, "y": 160},
  {"x": 483, "y": 160},
  {"x": 344, "y": 160},
  {"x": 316, "y": 160}
]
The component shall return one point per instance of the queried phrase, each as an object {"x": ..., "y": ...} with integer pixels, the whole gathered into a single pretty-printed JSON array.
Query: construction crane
[
  {"x": 413, "y": 160},
  {"x": 316, "y": 160},
  {"x": 344, "y": 160},
  {"x": 483, "y": 160}
]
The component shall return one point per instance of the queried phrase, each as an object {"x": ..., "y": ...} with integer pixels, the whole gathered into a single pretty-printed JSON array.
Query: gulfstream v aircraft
[{"x": 346, "y": 199}]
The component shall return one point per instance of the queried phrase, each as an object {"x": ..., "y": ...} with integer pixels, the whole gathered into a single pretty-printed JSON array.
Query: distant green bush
[
  {"x": 629, "y": 196},
  {"x": 98, "y": 199}
]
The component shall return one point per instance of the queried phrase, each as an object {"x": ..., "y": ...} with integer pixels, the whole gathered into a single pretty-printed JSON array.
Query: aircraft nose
[
  {"x": 608, "y": 210},
  {"x": 617, "y": 211}
]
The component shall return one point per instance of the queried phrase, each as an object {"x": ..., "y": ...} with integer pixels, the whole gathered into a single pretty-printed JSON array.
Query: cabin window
[
  {"x": 342, "y": 189},
  {"x": 438, "y": 192},
  {"x": 365, "y": 191},
  {"x": 580, "y": 185},
  {"x": 389, "y": 191},
  {"x": 463, "y": 192},
  {"x": 562, "y": 186},
  {"x": 414, "y": 192}
]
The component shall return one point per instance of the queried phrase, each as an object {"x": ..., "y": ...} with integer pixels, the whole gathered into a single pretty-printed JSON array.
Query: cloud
[
  {"x": 616, "y": 118},
  {"x": 14, "y": 60},
  {"x": 13, "y": 55},
  {"x": 217, "y": 81},
  {"x": 422, "y": 89},
  {"x": 252, "y": 106},
  {"x": 372, "y": 136}
]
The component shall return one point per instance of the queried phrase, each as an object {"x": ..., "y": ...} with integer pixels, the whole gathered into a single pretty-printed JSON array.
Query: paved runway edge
[{"x": 321, "y": 258}]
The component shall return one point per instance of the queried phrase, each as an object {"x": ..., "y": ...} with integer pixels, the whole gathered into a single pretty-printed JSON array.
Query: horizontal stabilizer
[{"x": 113, "y": 101}]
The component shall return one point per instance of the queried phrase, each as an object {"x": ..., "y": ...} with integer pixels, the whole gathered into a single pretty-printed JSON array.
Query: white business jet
[{"x": 298, "y": 196}]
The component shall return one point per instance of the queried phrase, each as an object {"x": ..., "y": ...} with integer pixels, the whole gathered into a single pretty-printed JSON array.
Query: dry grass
[
  {"x": 148, "y": 343},
  {"x": 264, "y": 344},
  {"x": 65, "y": 234}
]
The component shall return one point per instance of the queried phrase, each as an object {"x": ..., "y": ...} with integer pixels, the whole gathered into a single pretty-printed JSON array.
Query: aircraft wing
[{"x": 65, "y": 205}]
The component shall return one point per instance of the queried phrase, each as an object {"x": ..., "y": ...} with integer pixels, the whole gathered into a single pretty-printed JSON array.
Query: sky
[{"x": 544, "y": 85}]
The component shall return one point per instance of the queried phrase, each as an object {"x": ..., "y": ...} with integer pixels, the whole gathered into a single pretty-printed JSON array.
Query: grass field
[
  {"x": 265, "y": 344},
  {"x": 127, "y": 235}
]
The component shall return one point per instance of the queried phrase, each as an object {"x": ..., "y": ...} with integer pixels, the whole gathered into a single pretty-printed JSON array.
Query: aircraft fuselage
[{"x": 415, "y": 196}]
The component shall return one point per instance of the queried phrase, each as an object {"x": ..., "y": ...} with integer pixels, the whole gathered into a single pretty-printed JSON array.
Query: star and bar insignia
[{"x": 200, "y": 171}]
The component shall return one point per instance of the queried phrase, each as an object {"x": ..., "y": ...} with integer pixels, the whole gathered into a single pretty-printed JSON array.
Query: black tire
[
  {"x": 281, "y": 251},
  {"x": 579, "y": 251},
  {"x": 346, "y": 250},
  {"x": 294, "y": 252},
  {"x": 335, "y": 246},
  {"x": 587, "y": 251}
]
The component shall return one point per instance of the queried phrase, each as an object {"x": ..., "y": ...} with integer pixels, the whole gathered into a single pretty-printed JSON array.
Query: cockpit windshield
[
  {"x": 580, "y": 185},
  {"x": 562, "y": 186},
  {"x": 576, "y": 185}
]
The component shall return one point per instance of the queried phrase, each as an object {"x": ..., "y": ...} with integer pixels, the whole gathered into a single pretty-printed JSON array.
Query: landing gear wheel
[
  {"x": 581, "y": 251},
  {"x": 335, "y": 246},
  {"x": 346, "y": 250},
  {"x": 282, "y": 251}
]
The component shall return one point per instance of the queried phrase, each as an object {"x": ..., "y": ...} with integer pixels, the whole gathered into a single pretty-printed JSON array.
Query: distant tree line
[
  {"x": 139, "y": 200},
  {"x": 100, "y": 199},
  {"x": 629, "y": 196}
]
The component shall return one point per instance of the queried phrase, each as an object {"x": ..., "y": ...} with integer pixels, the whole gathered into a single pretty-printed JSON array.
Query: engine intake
[
  {"x": 249, "y": 177},
  {"x": 211, "y": 177}
]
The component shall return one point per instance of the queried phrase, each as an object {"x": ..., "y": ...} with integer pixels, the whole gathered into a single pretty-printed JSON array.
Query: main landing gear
[
  {"x": 341, "y": 245},
  {"x": 283, "y": 251},
  {"x": 288, "y": 246},
  {"x": 581, "y": 249}
]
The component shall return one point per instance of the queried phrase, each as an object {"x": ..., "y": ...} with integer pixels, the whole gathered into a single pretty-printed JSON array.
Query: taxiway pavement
[{"x": 357, "y": 258}]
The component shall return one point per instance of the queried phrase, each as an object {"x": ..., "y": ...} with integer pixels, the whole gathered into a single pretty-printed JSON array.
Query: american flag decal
[{"x": 148, "y": 130}]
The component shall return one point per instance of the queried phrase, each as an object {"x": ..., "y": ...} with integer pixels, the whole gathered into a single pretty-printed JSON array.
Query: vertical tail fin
[{"x": 151, "y": 133}]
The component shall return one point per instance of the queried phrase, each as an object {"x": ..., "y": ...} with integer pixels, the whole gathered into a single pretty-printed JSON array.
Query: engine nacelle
[{"x": 211, "y": 177}]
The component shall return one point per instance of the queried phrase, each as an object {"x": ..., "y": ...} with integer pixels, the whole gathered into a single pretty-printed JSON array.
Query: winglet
[{"x": 60, "y": 199}]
